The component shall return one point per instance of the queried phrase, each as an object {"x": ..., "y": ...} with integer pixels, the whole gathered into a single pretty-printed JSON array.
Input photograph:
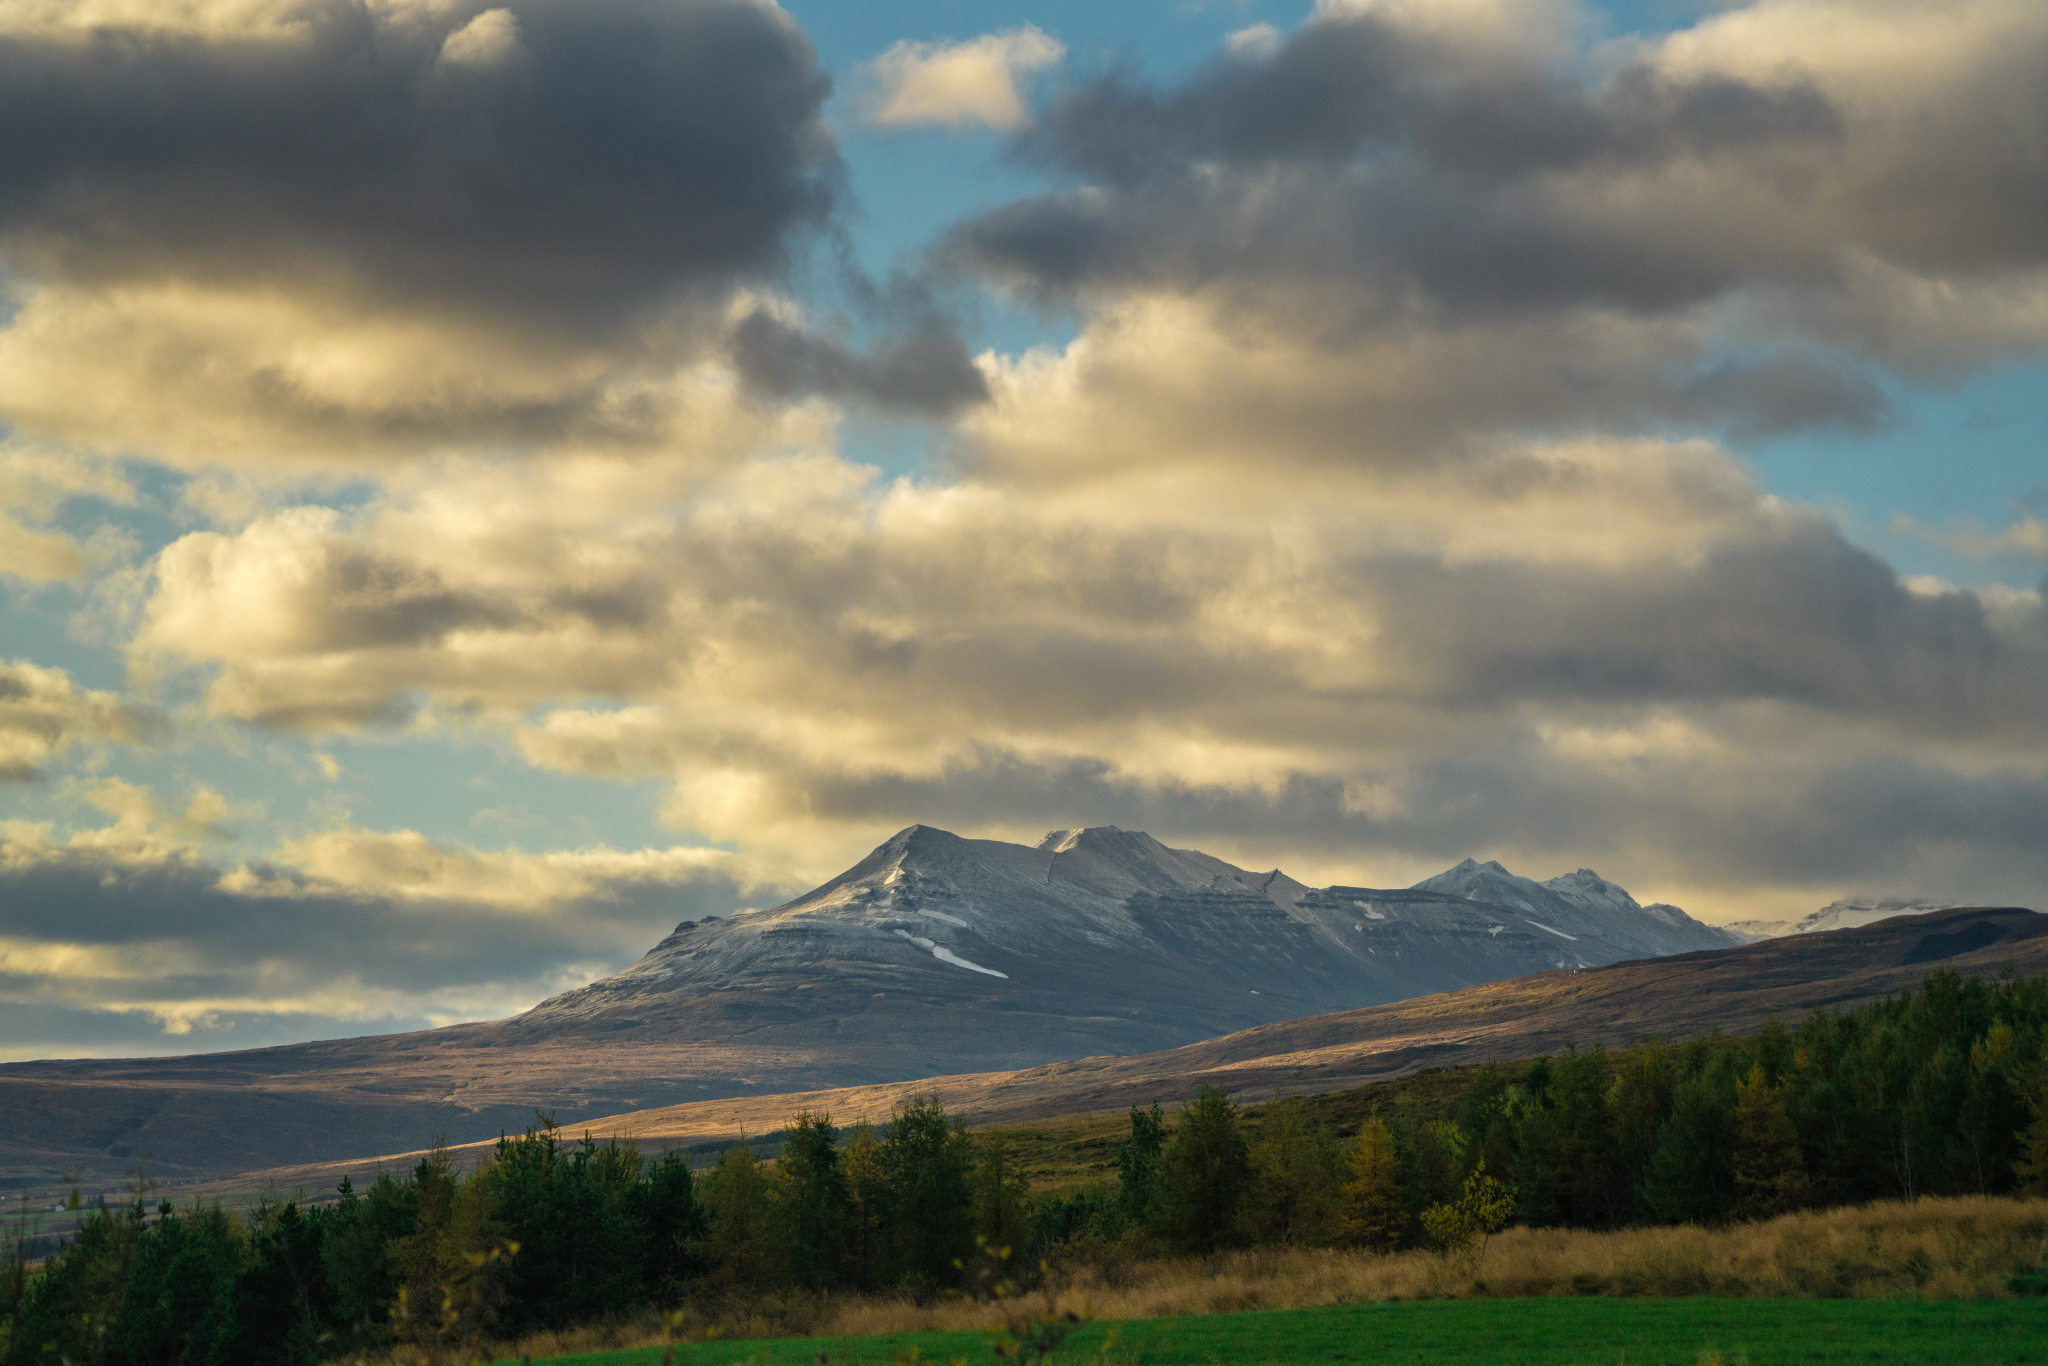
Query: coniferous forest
[{"x": 1940, "y": 1091}]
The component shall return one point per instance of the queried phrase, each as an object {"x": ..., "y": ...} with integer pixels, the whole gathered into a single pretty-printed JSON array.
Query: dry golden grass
[{"x": 1962, "y": 1248}]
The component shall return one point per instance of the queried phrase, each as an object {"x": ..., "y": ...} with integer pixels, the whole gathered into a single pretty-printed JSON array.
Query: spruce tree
[
  {"x": 1643, "y": 1088},
  {"x": 1583, "y": 1144},
  {"x": 1374, "y": 1207},
  {"x": 1689, "y": 1180},
  {"x": 1208, "y": 1173},
  {"x": 1140, "y": 1179}
]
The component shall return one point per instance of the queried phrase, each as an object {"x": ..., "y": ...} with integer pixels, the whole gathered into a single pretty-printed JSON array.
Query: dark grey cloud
[
  {"x": 924, "y": 370},
  {"x": 1793, "y": 615},
  {"x": 1357, "y": 149},
  {"x": 1348, "y": 86},
  {"x": 627, "y": 153},
  {"x": 1365, "y": 177},
  {"x": 280, "y": 945},
  {"x": 1781, "y": 393}
]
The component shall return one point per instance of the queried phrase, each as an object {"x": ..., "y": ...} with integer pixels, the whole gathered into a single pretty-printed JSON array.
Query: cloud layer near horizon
[
  {"x": 130, "y": 937},
  {"x": 1380, "y": 513}
]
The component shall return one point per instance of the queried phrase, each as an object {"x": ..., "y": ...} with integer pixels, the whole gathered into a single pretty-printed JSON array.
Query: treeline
[
  {"x": 1939, "y": 1091},
  {"x": 1942, "y": 1091},
  {"x": 543, "y": 1233}
]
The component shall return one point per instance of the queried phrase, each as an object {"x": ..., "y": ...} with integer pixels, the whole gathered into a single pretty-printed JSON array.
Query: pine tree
[
  {"x": 1374, "y": 1208},
  {"x": 811, "y": 1206},
  {"x": 1208, "y": 1173},
  {"x": 1768, "y": 1173}
]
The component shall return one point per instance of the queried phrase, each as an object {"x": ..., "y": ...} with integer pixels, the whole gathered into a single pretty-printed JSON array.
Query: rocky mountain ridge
[{"x": 1108, "y": 941}]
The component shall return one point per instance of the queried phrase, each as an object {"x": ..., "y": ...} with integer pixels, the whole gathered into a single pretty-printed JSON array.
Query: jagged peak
[
  {"x": 1470, "y": 865},
  {"x": 1065, "y": 841},
  {"x": 1585, "y": 877},
  {"x": 911, "y": 836}
]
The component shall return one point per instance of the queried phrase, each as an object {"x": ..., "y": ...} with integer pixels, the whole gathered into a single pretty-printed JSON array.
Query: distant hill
[{"x": 933, "y": 955}]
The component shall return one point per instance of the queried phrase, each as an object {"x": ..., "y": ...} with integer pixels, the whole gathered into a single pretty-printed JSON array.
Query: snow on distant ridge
[
  {"x": 1583, "y": 904},
  {"x": 1847, "y": 914}
]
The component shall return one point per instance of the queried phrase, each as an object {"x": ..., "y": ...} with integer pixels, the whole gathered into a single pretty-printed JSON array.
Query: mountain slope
[
  {"x": 1727, "y": 990},
  {"x": 935, "y": 954}
]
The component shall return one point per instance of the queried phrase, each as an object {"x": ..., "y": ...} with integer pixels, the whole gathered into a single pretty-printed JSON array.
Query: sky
[{"x": 483, "y": 482}]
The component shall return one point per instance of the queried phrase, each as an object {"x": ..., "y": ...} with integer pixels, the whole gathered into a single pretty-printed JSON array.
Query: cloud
[
  {"x": 955, "y": 84},
  {"x": 331, "y": 229},
  {"x": 2026, "y": 534},
  {"x": 925, "y": 369},
  {"x": 1378, "y": 514},
  {"x": 1387, "y": 191},
  {"x": 43, "y": 712},
  {"x": 128, "y": 934},
  {"x": 34, "y": 485},
  {"x": 489, "y": 40},
  {"x": 317, "y": 154},
  {"x": 806, "y": 656}
]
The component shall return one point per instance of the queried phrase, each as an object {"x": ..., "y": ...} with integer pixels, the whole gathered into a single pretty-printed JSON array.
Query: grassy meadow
[
  {"x": 1925, "y": 1281},
  {"x": 1542, "y": 1332}
]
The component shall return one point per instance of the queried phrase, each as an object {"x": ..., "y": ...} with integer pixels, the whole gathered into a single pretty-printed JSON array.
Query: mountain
[
  {"x": 1097, "y": 941},
  {"x": 1728, "y": 990},
  {"x": 934, "y": 954},
  {"x": 1587, "y": 905},
  {"x": 1839, "y": 915}
]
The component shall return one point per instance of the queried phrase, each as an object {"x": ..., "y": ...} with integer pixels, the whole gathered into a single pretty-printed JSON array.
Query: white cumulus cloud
[
  {"x": 956, "y": 84},
  {"x": 490, "y": 39}
]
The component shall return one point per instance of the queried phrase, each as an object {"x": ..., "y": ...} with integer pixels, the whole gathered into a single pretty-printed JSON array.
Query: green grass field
[{"x": 1528, "y": 1332}]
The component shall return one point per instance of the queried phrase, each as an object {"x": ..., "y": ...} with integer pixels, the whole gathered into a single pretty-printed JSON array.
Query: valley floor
[{"x": 1926, "y": 1281}]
